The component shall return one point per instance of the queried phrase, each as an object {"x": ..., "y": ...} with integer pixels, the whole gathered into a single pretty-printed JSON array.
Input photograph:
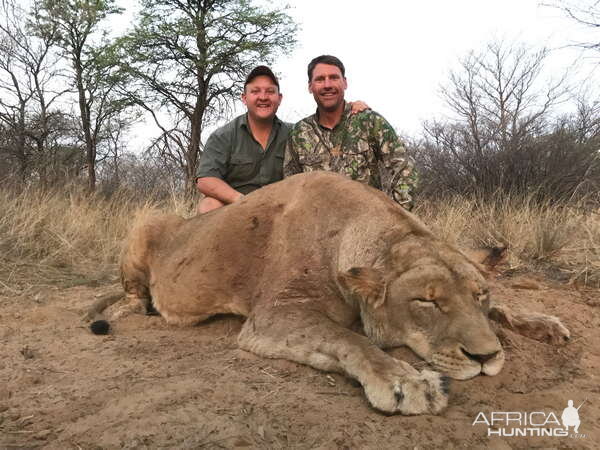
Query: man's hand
[
  {"x": 217, "y": 194},
  {"x": 218, "y": 189},
  {"x": 358, "y": 107}
]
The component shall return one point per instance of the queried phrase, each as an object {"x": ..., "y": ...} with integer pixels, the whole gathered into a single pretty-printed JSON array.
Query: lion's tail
[{"x": 94, "y": 313}]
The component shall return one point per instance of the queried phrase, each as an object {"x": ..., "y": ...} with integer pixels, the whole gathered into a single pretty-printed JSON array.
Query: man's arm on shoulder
[
  {"x": 358, "y": 106},
  {"x": 399, "y": 177},
  {"x": 213, "y": 169}
]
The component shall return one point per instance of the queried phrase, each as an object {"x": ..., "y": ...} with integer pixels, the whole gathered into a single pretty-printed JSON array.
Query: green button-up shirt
[{"x": 233, "y": 155}]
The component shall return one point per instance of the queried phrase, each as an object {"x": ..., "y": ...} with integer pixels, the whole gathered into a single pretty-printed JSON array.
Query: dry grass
[
  {"x": 60, "y": 237},
  {"x": 67, "y": 238},
  {"x": 560, "y": 237}
]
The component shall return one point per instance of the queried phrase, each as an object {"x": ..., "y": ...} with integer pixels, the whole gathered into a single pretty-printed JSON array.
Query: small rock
[
  {"x": 27, "y": 352},
  {"x": 241, "y": 442}
]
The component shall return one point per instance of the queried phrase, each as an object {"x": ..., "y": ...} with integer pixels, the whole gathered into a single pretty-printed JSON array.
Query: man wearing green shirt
[
  {"x": 363, "y": 147},
  {"x": 247, "y": 153}
]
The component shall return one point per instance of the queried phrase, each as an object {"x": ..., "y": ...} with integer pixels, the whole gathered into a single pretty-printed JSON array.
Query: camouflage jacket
[{"x": 363, "y": 147}]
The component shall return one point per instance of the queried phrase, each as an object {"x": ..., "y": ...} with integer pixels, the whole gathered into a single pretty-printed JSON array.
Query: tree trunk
[
  {"x": 193, "y": 150},
  {"x": 90, "y": 145}
]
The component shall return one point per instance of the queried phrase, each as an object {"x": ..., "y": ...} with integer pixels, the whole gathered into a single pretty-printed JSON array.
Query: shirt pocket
[
  {"x": 277, "y": 172},
  {"x": 242, "y": 168}
]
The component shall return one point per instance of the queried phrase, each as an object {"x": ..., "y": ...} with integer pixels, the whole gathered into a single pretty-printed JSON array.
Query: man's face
[
  {"x": 262, "y": 98},
  {"x": 327, "y": 86}
]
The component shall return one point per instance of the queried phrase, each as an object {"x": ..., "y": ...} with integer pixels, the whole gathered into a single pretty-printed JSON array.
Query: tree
[
  {"x": 189, "y": 60},
  {"x": 94, "y": 75},
  {"x": 144, "y": 176},
  {"x": 501, "y": 136},
  {"x": 584, "y": 12},
  {"x": 28, "y": 73}
]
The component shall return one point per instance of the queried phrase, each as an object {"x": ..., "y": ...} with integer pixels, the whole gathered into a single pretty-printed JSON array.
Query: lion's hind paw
[
  {"x": 549, "y": 329},
  {"x": 537, "y": 326},
  {"x": 543, "y": 328}
]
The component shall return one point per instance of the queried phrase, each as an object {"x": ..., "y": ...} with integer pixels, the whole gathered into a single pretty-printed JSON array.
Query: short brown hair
[{"x": 325, "y": 59}]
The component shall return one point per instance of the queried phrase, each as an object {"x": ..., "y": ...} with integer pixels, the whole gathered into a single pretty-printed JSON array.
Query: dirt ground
[{"x": 148, "y": 385}]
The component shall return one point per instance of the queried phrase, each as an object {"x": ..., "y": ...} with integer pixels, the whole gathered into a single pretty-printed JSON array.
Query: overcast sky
[{"x": 397, "y": 53}]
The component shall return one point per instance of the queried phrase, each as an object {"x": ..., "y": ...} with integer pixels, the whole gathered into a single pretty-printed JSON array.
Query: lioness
[{"x": 305, "y": 258}]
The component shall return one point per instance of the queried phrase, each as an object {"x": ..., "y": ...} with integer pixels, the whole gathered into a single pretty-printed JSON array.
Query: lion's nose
[{"x": 481, "y": 359}]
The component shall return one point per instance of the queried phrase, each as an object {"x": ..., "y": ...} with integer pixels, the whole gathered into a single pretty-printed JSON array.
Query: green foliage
[
  {"x": 183, "y": 52},
  {"x": 77, "y": 27},
  {"x": 190, "y": 59},
  {"x": 76, "y": 20}
]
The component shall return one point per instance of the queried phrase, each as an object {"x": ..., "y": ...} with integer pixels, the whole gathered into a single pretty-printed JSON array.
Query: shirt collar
[
  {"x": 345, "y": 113},
  {"x": 244, "y": 122}
]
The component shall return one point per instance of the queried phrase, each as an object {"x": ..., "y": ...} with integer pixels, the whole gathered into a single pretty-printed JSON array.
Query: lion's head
[{"x": 431, "y": 298}]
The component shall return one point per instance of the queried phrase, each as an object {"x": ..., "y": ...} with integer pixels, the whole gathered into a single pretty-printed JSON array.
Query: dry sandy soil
[{"x": 148, "y": 385}]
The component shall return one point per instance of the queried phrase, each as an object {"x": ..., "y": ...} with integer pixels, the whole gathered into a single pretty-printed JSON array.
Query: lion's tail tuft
[
  {"x": 100, "y": 327},
  {"x": 94, "y": 313}
]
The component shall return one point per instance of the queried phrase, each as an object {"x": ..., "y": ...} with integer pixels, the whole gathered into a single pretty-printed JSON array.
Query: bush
[{"x": 557, "y": 165}]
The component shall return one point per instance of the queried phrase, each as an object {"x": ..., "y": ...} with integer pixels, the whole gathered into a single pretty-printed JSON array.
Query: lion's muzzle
[{"x": 461, "y": 364}]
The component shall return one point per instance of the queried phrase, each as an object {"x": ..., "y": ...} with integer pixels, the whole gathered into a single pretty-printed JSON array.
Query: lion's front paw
[{"x": 422, "y": 393}]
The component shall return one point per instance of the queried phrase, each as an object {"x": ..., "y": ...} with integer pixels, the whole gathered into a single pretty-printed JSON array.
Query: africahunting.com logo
[{"x": 537, "y": 423}]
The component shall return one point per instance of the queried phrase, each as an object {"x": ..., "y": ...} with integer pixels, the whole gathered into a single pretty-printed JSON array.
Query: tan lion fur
[{"x": 303, "y": 259}]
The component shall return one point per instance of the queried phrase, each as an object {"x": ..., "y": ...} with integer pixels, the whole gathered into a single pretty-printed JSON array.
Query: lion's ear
[
  {"x": 364, "y": 284},
  {"x": 488, "y": 257}
]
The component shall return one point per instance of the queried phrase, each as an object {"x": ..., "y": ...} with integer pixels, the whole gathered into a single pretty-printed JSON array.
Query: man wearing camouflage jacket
[{"x": 363, "y": 147}]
